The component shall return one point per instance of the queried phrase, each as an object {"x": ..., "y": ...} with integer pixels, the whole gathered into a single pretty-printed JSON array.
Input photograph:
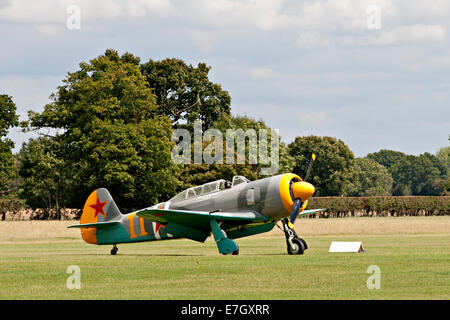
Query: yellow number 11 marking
[{"x": 141, "y": 221}]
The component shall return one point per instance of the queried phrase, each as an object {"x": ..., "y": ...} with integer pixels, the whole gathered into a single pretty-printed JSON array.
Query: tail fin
[{"x": 99, "y": 208}]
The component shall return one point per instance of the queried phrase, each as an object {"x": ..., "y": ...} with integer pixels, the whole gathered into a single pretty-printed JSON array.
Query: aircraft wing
[
  {"x": 197, "y": 219},
  {"x": 305, "y": 212},
  {"x": 195, "y": 225}
]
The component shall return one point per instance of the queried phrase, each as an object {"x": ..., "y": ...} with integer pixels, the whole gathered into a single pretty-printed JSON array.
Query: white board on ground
[{"x": 345, "y": 246}]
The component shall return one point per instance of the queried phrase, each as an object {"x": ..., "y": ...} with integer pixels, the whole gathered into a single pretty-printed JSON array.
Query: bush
[{"x": 381, "y": 206}]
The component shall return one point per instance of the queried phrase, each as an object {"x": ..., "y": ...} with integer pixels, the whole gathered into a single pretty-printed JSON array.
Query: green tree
[
  {"x": 285, "y": 161},
  {"x": 46, "y": 177},
  {"x": 387, "y": 158},
  {"x": 184, "y": 92},
  {"x": 444, "y": 156},
  {"x": 332, "y": 169},
  {"x": 195, "y": 174},
  {"x": 420, "y": 175},
  {"x": 369, "y": 179},
  {"x": 109, "y": 87},
  {"x": 8, "y": 119},
  {"x": 109, "y": 134}
]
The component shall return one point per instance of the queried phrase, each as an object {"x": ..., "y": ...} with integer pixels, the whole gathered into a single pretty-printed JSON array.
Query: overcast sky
[{"x": 323, "y": 67}]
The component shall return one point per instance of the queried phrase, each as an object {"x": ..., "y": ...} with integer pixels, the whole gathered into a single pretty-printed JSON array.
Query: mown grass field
[{"x": 413, "y": 254}]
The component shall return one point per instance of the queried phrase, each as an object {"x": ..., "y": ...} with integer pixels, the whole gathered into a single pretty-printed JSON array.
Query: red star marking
[
  {"x": 99, "y": 207},
  {"x": 158, "y": 225}
]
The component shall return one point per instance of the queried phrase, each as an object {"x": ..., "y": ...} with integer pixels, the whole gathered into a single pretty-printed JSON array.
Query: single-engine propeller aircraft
[{"x": 228, "y": 210}]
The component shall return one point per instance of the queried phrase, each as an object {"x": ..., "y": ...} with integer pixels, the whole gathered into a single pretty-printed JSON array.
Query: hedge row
[
  {"x": 10, "y": 205},
  {"x": 16, "y": 209},
  {"x": 381, "y": 206}
]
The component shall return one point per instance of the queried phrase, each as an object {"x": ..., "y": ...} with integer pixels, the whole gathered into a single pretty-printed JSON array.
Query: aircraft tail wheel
[
  {"x": 114, "y": 250},
  {"x": 297, "y": 247}
]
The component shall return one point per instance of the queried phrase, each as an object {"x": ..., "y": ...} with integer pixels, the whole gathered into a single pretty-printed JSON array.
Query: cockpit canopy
[
  {"x": 207, "y": 188},
  {"x": 239, "y": 179}
]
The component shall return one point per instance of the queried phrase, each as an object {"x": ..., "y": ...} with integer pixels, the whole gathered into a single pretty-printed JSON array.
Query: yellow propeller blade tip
[{"x": 313, "y": 156}]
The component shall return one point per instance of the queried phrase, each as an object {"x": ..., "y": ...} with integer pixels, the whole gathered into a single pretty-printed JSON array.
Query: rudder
[{"x": 99, "y": 207}]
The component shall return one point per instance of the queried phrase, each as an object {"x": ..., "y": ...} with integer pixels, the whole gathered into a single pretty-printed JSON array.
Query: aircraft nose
[{"x": 303, "y": 190}]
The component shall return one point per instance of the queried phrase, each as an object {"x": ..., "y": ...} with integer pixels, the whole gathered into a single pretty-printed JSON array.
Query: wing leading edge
[
  {"x": 196, "y": 225},
  {"x": 197, "y": 219},
  {"x": 305, "y": 212}
]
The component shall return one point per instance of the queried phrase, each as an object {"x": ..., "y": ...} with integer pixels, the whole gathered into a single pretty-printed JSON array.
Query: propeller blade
[
  {"x": 311, "y": 161},
  {"x": 295, "y": 208}
]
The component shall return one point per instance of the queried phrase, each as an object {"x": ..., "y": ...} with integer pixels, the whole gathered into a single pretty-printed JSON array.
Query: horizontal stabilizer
[{"x": 98, "y": 225}]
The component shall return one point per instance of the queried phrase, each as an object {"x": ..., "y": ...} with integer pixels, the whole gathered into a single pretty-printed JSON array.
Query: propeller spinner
[{"x": 301, "y": 191}]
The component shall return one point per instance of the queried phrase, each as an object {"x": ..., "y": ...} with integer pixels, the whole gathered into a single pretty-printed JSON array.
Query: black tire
[
  {"x": 304, "y": 243},
  {"x": 114, "y": 251},
  {"x": 236, "y": 252},
  {"x": 298, "y": 248}
]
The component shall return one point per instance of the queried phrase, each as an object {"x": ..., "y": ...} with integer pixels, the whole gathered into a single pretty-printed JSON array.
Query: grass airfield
[{"x": 413, "y": 254}]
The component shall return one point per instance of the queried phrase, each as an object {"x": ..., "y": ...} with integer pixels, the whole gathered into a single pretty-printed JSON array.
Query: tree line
[{"x": 109, "y": 124}]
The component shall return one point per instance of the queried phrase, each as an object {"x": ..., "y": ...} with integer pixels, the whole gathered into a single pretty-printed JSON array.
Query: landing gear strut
[
  {"x": 225, "y": 245},
  {"x": 114, "y": 250},
  {"x": 295, "y": 245}
]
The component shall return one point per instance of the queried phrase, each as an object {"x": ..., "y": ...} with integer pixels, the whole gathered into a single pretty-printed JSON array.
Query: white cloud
[
  {"x": 310, "y": 39},
  {"x": 139, "y": 8},
  {"x": 55, "y": 11},
  {"x": 33, "y": 11},
  {"x": 410, "y": 34},
  {"x": 315, "y": 119},
  {"x": 419, "y": 32},
  {"x": 320, "y": 16},
  {"x": 260, "y": 14},
  {"x": 202, "y": 39},
  {"x": 264, "y": 73}
]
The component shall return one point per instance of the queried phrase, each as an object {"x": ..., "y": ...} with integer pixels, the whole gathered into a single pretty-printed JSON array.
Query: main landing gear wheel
[
  {"x": 295, "y": 245},
  {"x": 304, "y": 243},
  {"x": 114, "y": 250},
  {"x": 234, "y": 253}
]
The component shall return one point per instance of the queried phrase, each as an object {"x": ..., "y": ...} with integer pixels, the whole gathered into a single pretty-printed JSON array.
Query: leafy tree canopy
[
  {"x": 386, "y": 157},
  {"x": 413, "y": 175},
  {"x": 444, "y": 156},
  {"x": 369, "y": 179},
  {"x": 185, "y": 93},
  {"x": 419, "y": 175},
  {"x": 109, "y": 134},
  {"x": 332, "y": 168},
  {"x": 8, "y": 119},
  {"x": 285, "y": 161},
  {"x": 109, "y": 87},
  {"x": 194, "y": 174},
  {"x": 46, "y": 177}
]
